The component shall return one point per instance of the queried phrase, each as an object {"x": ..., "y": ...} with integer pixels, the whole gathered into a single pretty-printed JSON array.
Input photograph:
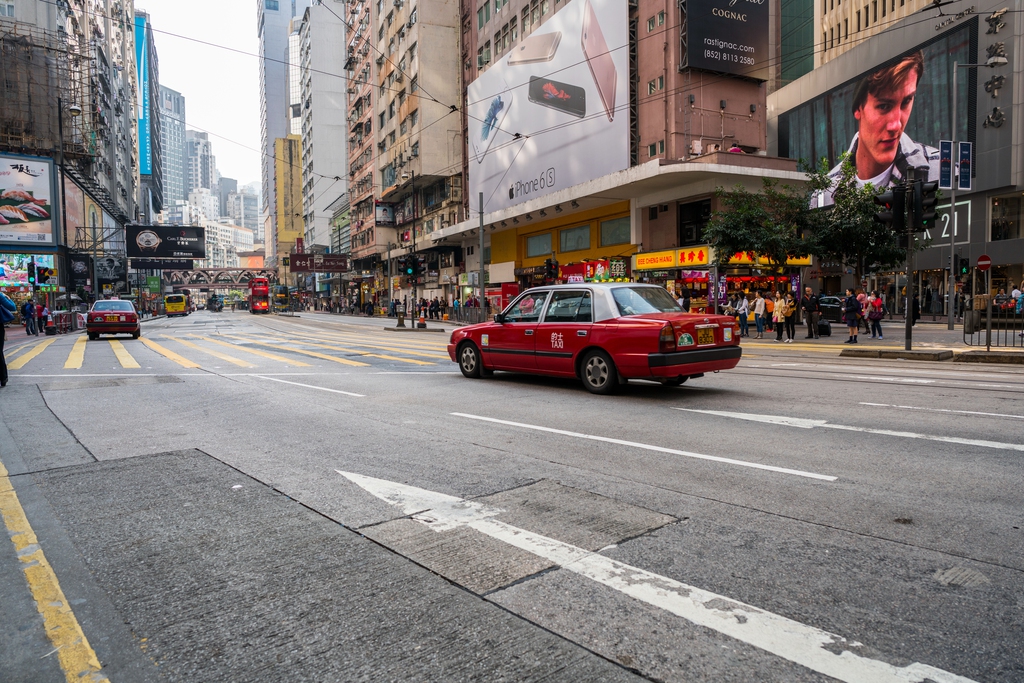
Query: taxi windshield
[{"x": 641, "y": 300}]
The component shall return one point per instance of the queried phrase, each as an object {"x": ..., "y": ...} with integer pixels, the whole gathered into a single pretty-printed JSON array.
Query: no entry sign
[{"x": 984, "y": 262}]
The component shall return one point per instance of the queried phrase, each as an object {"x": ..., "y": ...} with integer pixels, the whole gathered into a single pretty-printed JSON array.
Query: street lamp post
[
  {"x": 75, "y": 111},
  {"x": 412, "y": 176},
  {"x": 992, "y": 63}
]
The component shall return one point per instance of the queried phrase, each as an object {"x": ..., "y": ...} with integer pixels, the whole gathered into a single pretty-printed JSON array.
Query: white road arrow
[
  {"x": 818, "y": 650},
  {"x": 810, "y": 424}
]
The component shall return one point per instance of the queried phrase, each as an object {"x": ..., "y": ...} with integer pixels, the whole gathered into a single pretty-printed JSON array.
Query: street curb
[
  {"x": 1005, "y": 357},
  {"x": 892, "y": 354}
]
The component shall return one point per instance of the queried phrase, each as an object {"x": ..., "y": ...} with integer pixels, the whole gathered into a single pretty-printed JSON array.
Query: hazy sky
[{"x": 221, "y": 88}]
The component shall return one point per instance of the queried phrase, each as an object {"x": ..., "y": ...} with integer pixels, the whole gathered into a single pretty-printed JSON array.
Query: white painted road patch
[
  {"x": 804, "y": 423},
  {"x": 650, "y": 447},
  {"x": 818, "y": 650},
  {"x": 942, "y": 410},
  {"x": 311, "y": 386}
]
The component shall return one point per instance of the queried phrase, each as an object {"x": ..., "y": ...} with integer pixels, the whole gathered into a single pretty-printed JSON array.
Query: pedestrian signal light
[
  {"x": 964, "y": 266},
  {"x": 32, "y": 273}
]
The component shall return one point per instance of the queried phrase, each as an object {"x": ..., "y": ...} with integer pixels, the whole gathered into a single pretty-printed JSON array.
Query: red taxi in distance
[
  {"x": 604, "y": 334},
  {"x": 112, "y": 317}
]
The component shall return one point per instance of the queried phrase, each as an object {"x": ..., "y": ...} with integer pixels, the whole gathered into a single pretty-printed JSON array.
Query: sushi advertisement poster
[
  {"x": 553, "y": 111},
  {"x": 26, "y": 200}
]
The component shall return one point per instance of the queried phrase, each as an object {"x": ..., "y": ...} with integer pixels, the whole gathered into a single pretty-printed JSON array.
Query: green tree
[
  {"x": 770, "y": 223},
  {"x": 846, "y": 232}
]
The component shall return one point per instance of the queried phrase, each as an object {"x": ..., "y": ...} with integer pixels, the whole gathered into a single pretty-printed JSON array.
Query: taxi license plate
[
  {"x": 706, "y": 336},
  {"x": 111, "y": 318}
]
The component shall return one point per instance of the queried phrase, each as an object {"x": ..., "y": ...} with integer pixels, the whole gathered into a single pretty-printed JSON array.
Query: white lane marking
[
  {"x": 791, "y": 640},
  {"x": 649, "y": 447},
  {"x": 942, "y": 410},
  {"x": 810, "y": 424},
  {"x": 310, "y": 386}
]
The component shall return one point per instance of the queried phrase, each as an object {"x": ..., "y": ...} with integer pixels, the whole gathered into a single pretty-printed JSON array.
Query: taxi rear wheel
[
  {"x": 469, "y": 360},
  {"x": 674, "y": 381},
  {"x": 598, "y": 373},
  {"x": 93, "y": 336}
]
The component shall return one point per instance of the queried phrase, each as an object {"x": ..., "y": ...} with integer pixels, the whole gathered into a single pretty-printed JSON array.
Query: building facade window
[
  {"x": 650, "y": 24},
  {"x": 1006, "y": 218},
  {"x": 615, "y": 231},
  {"x": 661, "y": 18},
  {"x": 538, "y": 245},
  {"x": 574, "y": 239},
  {"x": 272, "y": 5}
]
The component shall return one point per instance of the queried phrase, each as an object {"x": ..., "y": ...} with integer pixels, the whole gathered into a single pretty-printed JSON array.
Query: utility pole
[{"x": 480, "y": 275}]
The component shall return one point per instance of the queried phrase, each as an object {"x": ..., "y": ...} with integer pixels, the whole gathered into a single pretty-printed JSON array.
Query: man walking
[
  {"x": 28, "y": 312},
  {"x": 812, "y": 311}
]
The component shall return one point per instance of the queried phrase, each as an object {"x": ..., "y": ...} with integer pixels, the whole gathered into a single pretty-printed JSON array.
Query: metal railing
[
  {"x": 466, "y": 315},
  {"x": 994, "y": 323}
]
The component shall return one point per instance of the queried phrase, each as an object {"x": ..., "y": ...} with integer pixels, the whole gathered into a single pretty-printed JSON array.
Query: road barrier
[{"x": 994, "y": 323}]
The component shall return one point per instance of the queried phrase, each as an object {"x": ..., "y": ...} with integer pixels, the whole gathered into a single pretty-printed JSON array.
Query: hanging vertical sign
[
  {"x": 945, "y": 164},
  {"x": 966, "y": 151}
]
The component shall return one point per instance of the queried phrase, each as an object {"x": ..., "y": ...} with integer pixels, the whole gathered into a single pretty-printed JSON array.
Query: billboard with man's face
[
  {"x": 890, "y": 119},
  {"x": 553, "y": 111}
]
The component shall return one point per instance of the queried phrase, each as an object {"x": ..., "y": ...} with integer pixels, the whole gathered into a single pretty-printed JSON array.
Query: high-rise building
[
  {"x": 288, "y": 194},
  {"x": 225, "y": 188},
  {"x": 151, "y": 181},
  {"x": 244, "y": 210},
  {"x": 172, "y": 145},
  {"x": 293, "y": 79},
  {"x": 796, "y": 44},
  {"x": 845, "y": 25},
  {"x": 273, "y": 28},
  {"x": 324, "y": 128},
  {"x": 205, "y": 201},
  {"x": 201, "y": 168},
  {"x": 360, "y": 67}
]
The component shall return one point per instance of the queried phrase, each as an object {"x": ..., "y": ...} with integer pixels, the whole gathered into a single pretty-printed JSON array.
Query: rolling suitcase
[{"x": 824, "y": 328}]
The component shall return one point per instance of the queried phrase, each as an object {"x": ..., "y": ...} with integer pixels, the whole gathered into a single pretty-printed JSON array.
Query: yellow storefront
[{"x": 597, "y": 234}]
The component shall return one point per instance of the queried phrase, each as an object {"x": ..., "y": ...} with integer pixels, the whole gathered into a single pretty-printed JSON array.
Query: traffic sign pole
[{"x": 984, "y": 264}]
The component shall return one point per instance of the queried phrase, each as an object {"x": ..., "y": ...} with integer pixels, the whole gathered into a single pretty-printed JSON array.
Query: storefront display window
[
  {"x": 1006, "y": 218},
  {"x": 538, "y": 245},
  {"x": 574, "y": 239},
  {"x": 615, "y": 231},
  {"x": 692, "y": 219}
]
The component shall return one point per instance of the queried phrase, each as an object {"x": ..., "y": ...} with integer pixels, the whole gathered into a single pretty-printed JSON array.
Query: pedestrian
[
  {"x": 851, "y": 315},
  {"x": 862, "y": 297},
  {"x": 915, "y": 310},
  {"x": 7, "y": 311},
  {"x": 759, "y": 309},
  {"x": 40, "y": 321},
  {"x": 769, "y": 312},
  {"x": 790, "y": 317},
  {"x": 743, "y": 310},
  {"x": 28, "y": 313},
  {"x": 876, "y": 311},
  {"x": 811, "y": 307},
  {"x": 779, "y": 315}
]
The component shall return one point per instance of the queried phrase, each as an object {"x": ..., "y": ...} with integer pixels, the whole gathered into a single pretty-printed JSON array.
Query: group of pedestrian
[
  {"x": 33, "y": 316},
  {"x": 859, "y": 308}
]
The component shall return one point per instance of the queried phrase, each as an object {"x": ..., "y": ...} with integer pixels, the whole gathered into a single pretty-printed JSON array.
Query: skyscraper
[
  {"x": 151, "y": 183},
  {"x": 274, "y": 25},
  {"x": 172, "y": 145},
  {"x": 201, "y": 165}
]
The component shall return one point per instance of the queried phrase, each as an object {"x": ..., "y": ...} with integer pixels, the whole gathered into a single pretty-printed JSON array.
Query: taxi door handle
[
  {"x": 581, "y": 333},
  {"x": 529, "y": 333}
]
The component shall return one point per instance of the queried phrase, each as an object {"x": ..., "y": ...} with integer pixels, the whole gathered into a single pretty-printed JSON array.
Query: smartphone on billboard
[
  {"x": 572, "y": 99},
  {"x": 599, "y": 59},
  {"x": 537, "y": 48},
  {"x": 497, "y": 110}
]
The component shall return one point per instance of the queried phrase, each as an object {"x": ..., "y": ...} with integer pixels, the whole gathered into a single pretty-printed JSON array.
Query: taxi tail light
[{"x": 667, "y": 339}]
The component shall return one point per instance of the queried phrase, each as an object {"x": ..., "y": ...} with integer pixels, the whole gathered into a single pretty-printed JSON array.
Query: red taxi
[
  {"x": 604, "y": 334},
  {"x": 112, "y": 317}
]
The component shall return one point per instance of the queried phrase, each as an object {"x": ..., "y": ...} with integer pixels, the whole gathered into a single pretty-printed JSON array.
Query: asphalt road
[{"x": 236, "y": 498}]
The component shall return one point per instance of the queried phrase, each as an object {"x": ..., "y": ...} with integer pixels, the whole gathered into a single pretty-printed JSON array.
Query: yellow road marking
[
  {"x": 167, "y": 353},
  {"x": 362, "y": 353},
  {"x": 20, "y": 361},
  {"x": 383, "y": 347},
  {"x": 15, "y": 350},
  {"x": 76, "y": 656},
  {"x": 271, "y": 356},
  {"x": 314, "y": 354},
  {"x": 215, "y": 354},
  {"x": 77, "y": 355},
  {"x": 123, "y": 357}
]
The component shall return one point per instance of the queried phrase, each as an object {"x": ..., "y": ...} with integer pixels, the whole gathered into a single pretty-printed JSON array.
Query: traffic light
[
  {"x": 32, "y": 277},
  {"x": 963, "y": 266},
  {"x": 893, "y": 213},
  {"x": 924, "y": 204},
  {"x": 551, "y": 269}
]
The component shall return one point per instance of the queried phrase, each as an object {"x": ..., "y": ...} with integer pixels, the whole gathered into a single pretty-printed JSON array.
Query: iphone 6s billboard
[{"x": 552, "y": 111}]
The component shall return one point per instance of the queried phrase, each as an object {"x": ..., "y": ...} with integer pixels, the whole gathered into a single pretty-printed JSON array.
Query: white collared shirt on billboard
[
  {"x": 912, "y": 155},
  {"x": 551, "y": 114}
]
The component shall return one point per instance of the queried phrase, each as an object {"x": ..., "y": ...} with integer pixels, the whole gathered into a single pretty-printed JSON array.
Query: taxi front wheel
[
  {"x": 598, "y": 373},
  {"x": 469, "y": 360}
]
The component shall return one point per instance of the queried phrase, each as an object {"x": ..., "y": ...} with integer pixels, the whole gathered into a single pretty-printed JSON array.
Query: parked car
[
  {"x": 831, "y": 308},
  {"x": 601, "y": 333},
  {"x": 112, "y": 317}
]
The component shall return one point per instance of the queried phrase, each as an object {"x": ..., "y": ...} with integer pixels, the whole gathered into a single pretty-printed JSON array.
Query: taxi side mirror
[{"x": 499, "y": 318}]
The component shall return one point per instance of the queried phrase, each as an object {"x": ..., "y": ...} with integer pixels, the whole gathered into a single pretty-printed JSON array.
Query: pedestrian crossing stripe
[
  {"x": 167, "y": 353},
  {"x": 19, "y": 362},
  {"x": 123, "y": 357},
  {"x": 384, "y": 346},
  {"x": 77, "y": 355},
  {"x": 257, "y": 352},
  {"x": 314, "y": 354},
  {"x": 301, "y": 340},
  {"x": 215, "y": 354}
]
